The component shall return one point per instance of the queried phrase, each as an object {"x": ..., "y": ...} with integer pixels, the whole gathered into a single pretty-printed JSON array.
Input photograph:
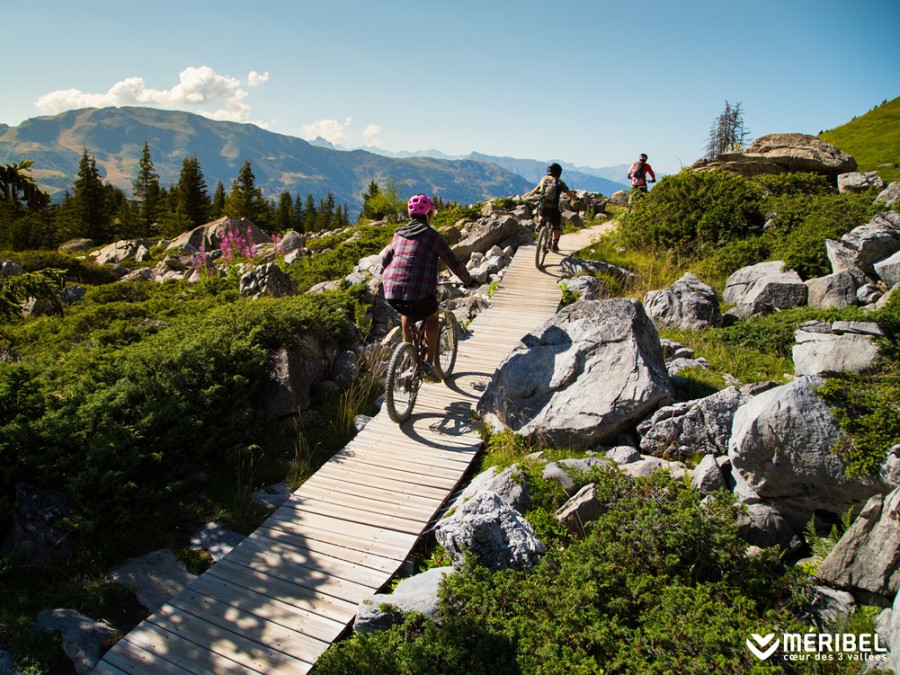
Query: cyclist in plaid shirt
[{"x": 410, "y": 265}]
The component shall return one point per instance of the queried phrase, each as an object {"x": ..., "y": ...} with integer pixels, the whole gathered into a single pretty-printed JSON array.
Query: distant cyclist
[
  {"x": 550, "y": 188},
  {"x": 638, "y": 174},
  {"x": 410, "y": 276}
]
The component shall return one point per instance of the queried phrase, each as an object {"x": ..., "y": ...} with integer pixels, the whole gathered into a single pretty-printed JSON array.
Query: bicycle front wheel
[
  {"x": 543, "y": 243},
  {"x": 448, "y": 343},
  {"x": 401, "y": 383}
]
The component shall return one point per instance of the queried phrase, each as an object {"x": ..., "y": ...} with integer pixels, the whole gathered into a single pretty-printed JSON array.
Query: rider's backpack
[
  {"x": 550, "y": 193},
  {"x": 638, "y": 170}
]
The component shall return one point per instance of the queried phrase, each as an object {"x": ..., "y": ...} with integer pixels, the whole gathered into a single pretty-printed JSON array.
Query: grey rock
[
  {"x": 290, "y": 375},
  {"x": 831, "y": 607},
  {"x": 762, "y": 525},
  {"x": 687, "y": 304},
  {"x": 889, "y": 195},
  {"x": 418, "y": 593},
  {"x": 867, "y": 556},
  {"x": 581, "y": 378},
  {"x": 155, "y": 578},
  {"x": 781, "y": 448},
  {"x": 888, "y": 269},
  {"x": 561, "y": 471},
  {"x": 765, "y": 285},
  {"x": 834, "y": 291},
  {"x": 700, "y": 426},
  {"x": 581, "y": 509},
  {"x": 707, "y": 476},
  {"x": 216, "y": 539},
  {"x": 82, "y": 637},
  {"x": 509, "y": 483},
  {"x": 844, "y": 349},
  {"x": 858, "y": 181},
  {"x": 495, "y": 533}
]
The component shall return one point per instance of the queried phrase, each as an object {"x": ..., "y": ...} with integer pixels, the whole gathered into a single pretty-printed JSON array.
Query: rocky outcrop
[
  {"x": 781, "y": 153},
  {"x": 857, "y": 181},
  {"x": 418, "y": 593},
  {"x": 582, "y": 377}
]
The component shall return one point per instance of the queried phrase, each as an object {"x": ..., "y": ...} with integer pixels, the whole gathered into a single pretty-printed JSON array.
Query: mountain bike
[{"x": 405, "y": 368}]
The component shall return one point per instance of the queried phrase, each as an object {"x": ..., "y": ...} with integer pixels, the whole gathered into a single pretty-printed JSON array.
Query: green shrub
[
  {"x": 659, "y": 585},
  {"x": 695, "y": 211},
  {"x": 76, "y": 269},
  {"x": 795, "y": 183}
]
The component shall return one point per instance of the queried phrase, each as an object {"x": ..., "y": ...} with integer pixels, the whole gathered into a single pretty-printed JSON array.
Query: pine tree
[
  {"x": 246, "y": 199},
  {"x": 87, "y": 211},
  {"x": 298, "y": 214},
  {"x": 192, "y": 198},
  {"x": 310, "y": 215},
  {"x": 147, "y": 195},
  {"x": 284, "y": 212},
  {"x": 218, "y": 201}
]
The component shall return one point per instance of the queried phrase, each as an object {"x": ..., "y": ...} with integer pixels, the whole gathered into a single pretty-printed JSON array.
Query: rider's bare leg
[{"x": 432, "y": 326}]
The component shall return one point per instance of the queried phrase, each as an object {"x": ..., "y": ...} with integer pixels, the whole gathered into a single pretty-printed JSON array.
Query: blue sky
[{"x": 589, "y": 82}]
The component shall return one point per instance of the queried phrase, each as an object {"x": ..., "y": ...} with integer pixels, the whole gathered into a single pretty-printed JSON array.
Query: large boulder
[
  {"x": 890, "y": 195},
  {"x": 699, "y": 426},
  {"x": 763, "y": 287},
  {"x": 824, "y": 348},
  {"x": 833, "y": 291},
  {"x": 82, "y": 638},
  {"x": 211, "y": 235},
  {"x": 865, "y": 245},
  {"x": 688, "y": 303},
  {"x": 867, "y": 557},
  {"x": 781, "y": 153},
  {"x": 781, "y": 448},
  {"x": 290, "y": 375},
  {"x": 581, "y": 378},
  {"x": 486, "y": 233},
  {"x": 493, "y": 532},
  {"x": 888, "y": 270}
]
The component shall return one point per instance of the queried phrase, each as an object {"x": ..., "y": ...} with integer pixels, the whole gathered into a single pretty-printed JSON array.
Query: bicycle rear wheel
[
  {"x": 448, "y": 343},
  {"x": 543, "y": 243},
  {"x": 401, "y": 383}
]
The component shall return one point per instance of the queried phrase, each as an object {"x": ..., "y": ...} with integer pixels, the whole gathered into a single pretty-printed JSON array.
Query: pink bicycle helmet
[{"x": 420, "y": 204}]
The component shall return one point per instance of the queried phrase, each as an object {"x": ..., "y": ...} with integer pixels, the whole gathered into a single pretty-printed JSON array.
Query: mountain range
[{"x": 115, "y": 137}]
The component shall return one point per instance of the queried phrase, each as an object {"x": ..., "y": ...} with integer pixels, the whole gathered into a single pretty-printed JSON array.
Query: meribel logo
[{"x": 818, "y": 646}]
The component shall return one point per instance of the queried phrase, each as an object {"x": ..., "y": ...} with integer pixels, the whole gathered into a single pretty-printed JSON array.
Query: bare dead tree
[{"x": 727, "y": 133}]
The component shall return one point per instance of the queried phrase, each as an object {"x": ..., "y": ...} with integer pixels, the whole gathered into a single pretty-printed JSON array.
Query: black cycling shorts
[
  {"x": 416, "y": 309},
  {"x": 552, "y": 216}
]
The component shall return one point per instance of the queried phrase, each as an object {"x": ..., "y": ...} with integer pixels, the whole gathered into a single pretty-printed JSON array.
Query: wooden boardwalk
[{"x": 284, "y": 594}]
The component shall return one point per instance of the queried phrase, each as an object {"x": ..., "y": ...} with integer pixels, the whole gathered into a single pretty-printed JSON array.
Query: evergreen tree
[
  {"x": 310, "y": 215},
  {"x": 192, "y": 198},
  {"x": 246, "y": 199},
  {"x": 87, "y": 212},
  {"x": 284, "y": 212},
  {"x": 368, "y": 199},
  {"x": 147, "y": 195},
  {"x": 218, "y": 201},
  {"x": 298, "y": 214},
  {"x": 325, "y": 218}
]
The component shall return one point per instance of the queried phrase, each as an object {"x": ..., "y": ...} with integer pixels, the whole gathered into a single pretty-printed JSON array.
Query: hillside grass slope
[{"x": 872, "y": 139}]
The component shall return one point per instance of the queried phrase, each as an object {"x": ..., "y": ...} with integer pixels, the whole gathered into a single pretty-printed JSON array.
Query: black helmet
[
  {"x": 644, "y": 156},
  {"x": 554, "y": 170}
]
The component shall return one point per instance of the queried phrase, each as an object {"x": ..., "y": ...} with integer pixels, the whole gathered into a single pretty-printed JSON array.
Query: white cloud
[
  {"x": 371, "y": 133},
  {"x": 331, "y": 130},
  {"x": 200, "y": 90}
]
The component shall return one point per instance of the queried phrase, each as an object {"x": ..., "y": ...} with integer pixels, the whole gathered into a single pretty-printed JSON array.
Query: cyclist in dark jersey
[{"x": 550, "y": 189}]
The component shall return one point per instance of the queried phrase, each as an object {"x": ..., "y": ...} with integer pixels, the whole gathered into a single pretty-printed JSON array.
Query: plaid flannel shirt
[{"x": 411, "y": 265}]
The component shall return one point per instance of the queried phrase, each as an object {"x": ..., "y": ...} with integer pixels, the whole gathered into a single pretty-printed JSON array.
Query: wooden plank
[
  {"x": 270, "y": 608},
  {"x": 331, "y": 548},
  {"x": 371, "y": 504},
  {"x": 273, "y": 636},
  {"x": 318, "y": 574},
  {"x": 221, "y": 642},
  {"x": 356, "y": 515},
  {"x": 159, "y": 651},
  {"x": 329, "y": 607},
  {"x": 126, "y": 658}
]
